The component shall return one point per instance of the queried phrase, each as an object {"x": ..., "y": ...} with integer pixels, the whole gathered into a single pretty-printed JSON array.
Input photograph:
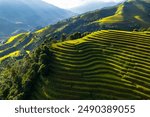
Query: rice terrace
[
  {"x": 97, "y": 55},
  {"x": 103, "y": 65}
]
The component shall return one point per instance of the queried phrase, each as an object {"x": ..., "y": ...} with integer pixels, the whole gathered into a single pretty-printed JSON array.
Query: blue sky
[{"x": 66, "y": 4}]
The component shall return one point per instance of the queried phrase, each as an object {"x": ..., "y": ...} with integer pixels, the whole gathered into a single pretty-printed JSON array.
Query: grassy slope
[
  {"x": 102, "y": 65},
  {"x": 130, "y": 12},
  {"x": 82, "y": 23},
  {"x": 116, "y": 18},
  {"x": 21, "y": 44}
]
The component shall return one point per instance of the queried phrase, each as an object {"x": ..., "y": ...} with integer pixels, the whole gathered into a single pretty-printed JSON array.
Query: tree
[
  {"x": 63, "y": 37},
  {"x": 148, "y": 29},
  {"x": 75, "y": 35},
  {"x": 85, "y": 33},
  {"x": 142, "y": 29},
  {"x": 56, "y": 37},
  {"x": 45, "y": 49},
  {"x": 71, "y": 37},
  {"x": 44, "y": 59},
  {"x": 43, "y": 70}
]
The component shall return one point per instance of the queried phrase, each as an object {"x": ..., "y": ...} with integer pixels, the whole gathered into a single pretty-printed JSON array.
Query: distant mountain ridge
[
  {"x": 27, "y": 14},
  {"x": 130, "y": 13},
  {"x": 91, "y": 6}
]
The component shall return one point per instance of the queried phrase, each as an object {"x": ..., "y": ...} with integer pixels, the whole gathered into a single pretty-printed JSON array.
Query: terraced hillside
[
  {"x": 19, "y": 45},
  {"x": 102, "y": 65}
]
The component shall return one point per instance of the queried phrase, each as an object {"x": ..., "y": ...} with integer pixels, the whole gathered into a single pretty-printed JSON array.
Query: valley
[
  {"x": 107, "y": 64},
  {"x": 28, "y": 15},
  {"x": 98, "y": 55}
]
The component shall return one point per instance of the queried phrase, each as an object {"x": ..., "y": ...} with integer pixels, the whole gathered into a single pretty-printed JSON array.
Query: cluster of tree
[
  {"x": 18, "y": 78},
  {"x": 73, "y": 36},
  {"x": 63, "y": 37},
  {"x": 142, "y": 29}
]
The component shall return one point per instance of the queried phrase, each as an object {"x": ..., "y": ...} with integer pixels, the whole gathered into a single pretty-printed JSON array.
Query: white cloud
[{"x": 74, "y": 3}]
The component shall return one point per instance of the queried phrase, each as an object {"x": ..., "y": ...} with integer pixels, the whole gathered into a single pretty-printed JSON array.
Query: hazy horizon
[{"x": 67, "y": 4}]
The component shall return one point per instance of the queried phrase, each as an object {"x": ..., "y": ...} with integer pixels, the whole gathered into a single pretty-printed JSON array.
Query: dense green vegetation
[
  {"x": 76, "y": 59},
  {"x": 102, "y": 65}
]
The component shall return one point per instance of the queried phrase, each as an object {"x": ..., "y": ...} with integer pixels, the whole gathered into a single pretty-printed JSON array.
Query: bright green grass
[
  {"x": 41, "y": 30},
  {"x": 13, "y": 54},
  {"x": 14, "y": 45},
  {"x": 27, "y": 51},
  {"x": 112, "y": 19},
  {"x": 11, "y": 39},
  {"x": 116, "y": 18},
  {"x": 139, "y": 18}
]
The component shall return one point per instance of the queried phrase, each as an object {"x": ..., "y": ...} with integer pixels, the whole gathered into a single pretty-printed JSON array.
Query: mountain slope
[
  {"x": 22, "y": 43},
  {"x": 102, "y": 65},
  {"x": 130, "y": 12},
  {"x": 130, "y": 15},
  {"x": 97, "y": 20},
  {"x": 28, "y": 14}
]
